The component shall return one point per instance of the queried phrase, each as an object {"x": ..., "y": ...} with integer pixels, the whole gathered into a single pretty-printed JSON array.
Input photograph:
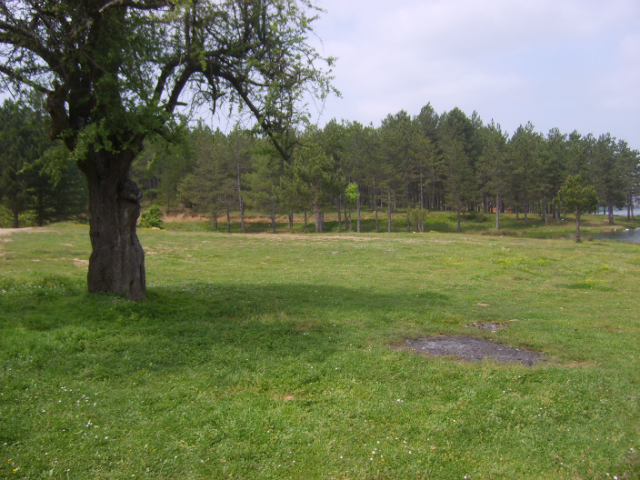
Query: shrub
[{"x": 152, "y": 218}]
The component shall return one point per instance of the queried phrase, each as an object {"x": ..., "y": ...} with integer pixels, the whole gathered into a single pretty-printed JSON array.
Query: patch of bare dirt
[
  {"x": 184, "y": 217},
  {"x": 489, "y": 326},
  {"x": 9, "y": 231},
  {"x": 80, "y": 263},
  {"x": 472, "y": 350}
]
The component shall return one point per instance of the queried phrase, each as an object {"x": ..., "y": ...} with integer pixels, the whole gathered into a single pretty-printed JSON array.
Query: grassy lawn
[
  {"x": 435, "y": 222},
  {"x": 269, "y": 356}
]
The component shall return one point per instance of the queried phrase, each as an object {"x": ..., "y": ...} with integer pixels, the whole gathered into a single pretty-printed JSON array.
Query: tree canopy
[{"x": 115, "y": 72}]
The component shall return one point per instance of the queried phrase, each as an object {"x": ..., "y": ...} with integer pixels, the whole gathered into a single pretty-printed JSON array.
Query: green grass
[
  {"x": 268, "y": 356},
  {"x": 435, "y": 222}
]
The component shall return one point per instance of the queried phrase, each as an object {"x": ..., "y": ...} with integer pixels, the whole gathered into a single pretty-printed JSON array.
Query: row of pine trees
[
  {"x": 39, "y": 183},
  {"x": 432, "y": 161}
]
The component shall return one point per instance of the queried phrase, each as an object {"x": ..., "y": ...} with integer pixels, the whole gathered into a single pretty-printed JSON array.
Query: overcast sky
[{"x": 571, "y": 64}]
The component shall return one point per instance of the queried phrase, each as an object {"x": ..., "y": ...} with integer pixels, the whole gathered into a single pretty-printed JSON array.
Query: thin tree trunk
[
  {"x": 40, "y": 209},
  {"x": 316, "y": 216},
  {"x": 347, "y": 218},
  {"x": 517, "y": 212},
  {"x": 421, "y": 192},
  {"x": 241, "y": 201},
  {"x": 290, "y": 221},
  {"x": 433, "y": 205},
  {"x": 610, "y": 212},
  {"x": 226, "y": 202},
  {"x": 577, "y": 224},
  {"x": 358, "y": 207},
  {"x": 375, "y": 205},
  {"x": 339, "y": 214},
  {"x": 544, "y": 212},
  {"x": 458, "y": 206},
  {"x": 525, "y": 208},
  {"x": 498, "y": 210},
  {"x": 273, "y": 216},
  {"x": 408, "y": 195},
  {"x": 305, "y": 220},
  {"x": 389, "y": 212}
]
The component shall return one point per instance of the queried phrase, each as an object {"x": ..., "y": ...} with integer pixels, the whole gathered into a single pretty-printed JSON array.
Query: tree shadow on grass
[{"x": 178, "y": 326}]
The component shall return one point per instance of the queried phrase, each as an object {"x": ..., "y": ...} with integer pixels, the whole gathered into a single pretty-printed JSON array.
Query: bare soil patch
[
  {"x": 472, "y": 350},
  {"x": 490, "y": 326}
]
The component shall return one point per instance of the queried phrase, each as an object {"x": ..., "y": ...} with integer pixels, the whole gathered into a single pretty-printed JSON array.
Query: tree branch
[{"x": 13, "y": 75}]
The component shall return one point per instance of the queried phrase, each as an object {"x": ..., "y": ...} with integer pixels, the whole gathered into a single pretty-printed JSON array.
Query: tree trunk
[
  {"x": 577, "y": 224},
  {"x": 408, "y": 195},
  {"x": 525, "y": 208},
  {"x": 375, "y": 205},
  {"x": 273, "y": 217},
  {"x": 458, "y": 206},
  {"x": 240, "y": 199},
  {"x": 305, "y": 220},
  {"x": 116, "y": 264},
  {"x": 16, "y": 218},
  {"x": 497, "y": 211},
  {"x": 610, "y": 212},
  {"x": 421, "y": 192},
  {"x": 544, "y": 212},
  {"x": 316, "y": 216},
  {"x": 389, "y": 213},
  {"x": 226, "y": 202},
  {"x": 291, "y": 221},
  {"x": 347, "y": 220},
  {"x": 358, "y": 207},
  {"x": 40, "y": 209},
  {"x": 339, "y": 214}
]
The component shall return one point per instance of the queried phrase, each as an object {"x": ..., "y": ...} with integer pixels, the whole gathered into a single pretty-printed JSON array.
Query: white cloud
[{"x": 545, "y": 61}]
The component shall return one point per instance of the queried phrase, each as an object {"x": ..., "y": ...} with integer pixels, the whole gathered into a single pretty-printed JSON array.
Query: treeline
[
  {"x": 432, "y": 161},
  {"x": 39, "y": 183}
]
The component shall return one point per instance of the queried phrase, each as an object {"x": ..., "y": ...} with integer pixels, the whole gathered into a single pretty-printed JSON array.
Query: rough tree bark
[{"x": 116, "y": 264}]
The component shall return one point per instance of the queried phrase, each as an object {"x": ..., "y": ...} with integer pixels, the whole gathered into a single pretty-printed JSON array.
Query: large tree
[{"x": 114, "y": 72}]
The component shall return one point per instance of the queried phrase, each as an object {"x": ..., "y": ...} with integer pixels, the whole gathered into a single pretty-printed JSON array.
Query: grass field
[
  {"x": 269, "y": 356},
  {"x": 435, "y": 222}
]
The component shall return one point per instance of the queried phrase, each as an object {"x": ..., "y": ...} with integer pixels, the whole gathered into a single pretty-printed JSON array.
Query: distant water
[
  {"x": 631, "y": 236},
  {"x": 623, "y": 212}
]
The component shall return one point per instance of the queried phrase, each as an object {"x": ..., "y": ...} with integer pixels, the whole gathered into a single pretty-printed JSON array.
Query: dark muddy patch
[{"x": 472, "y": 350}]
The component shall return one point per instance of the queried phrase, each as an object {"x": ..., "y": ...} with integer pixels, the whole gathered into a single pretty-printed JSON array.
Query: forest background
[{"x": 407, "y": 165}]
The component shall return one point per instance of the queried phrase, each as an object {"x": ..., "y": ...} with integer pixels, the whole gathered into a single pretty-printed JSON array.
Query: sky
[{"x": 574, "y": 65}]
